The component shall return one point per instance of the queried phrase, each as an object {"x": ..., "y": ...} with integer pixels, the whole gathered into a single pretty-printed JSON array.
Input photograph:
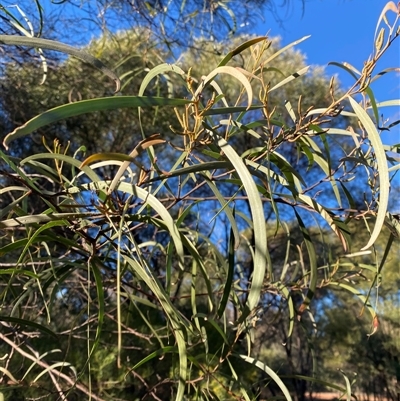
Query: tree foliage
[{"x": 214, "y": 260}]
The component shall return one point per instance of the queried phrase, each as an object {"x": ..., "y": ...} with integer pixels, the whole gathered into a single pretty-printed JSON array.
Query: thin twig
[{"x": 53, "y": 371}]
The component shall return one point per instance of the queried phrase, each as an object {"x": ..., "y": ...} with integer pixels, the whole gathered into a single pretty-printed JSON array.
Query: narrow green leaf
[
  {"x": 313, "y": 264},
  {"x": 240, "y": 48},
  {"x": 175, "y": 318},
  {"x": 10, "y": 376},
  {"x": 16, "y": 271},
  {"x": 215, "y": 325},
  {"x": 50, "y": 369},
  {"x": 358, "y": 294},
  {"x": 347, "y": 67},
  {"x": 261, "y": 257},
  {"x": 160, "y": 69},
  {"x": 88, "y": 106},
  {"x": 315, "y": 380},
  {"x": 229, "y": 110},
  {"x": 283, "y": 49},
  {"x": 159, "y": 352},
  {"x": 290, "y": 78},
  {"x": 10, "y": 207},
  {"x": 61, "y": 47},
  {"x": 160, "y": 209},
  {"x": 44, "y": 218},
  {"x": 50, "y": 224},
  {"x": 290, "y": 111},
  {"x": 67, "y": 159},
  {"x": 28, "y": 323},
  {"x": 339, "y": 228},
  {"x": 230, "y": 71},
  {"x": 230, "y": 267},
  {"x": 286, "y": 292},
  {"x": 386, "y": 103},
  {"x": 348, "y": 385},
  {"x": 384, "y": 72},
  {"x": 268, "y": 371},
  {"x": 374, "y": 107},
  {"x": 12, "y": 246},
  {"x": 384, "y": 179},
  {"x": 99, "y": 304}
]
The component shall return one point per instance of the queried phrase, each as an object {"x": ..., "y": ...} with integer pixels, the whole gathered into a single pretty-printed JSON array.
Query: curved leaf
[
  {"x": 384, "y": 180},
  {"x": 240, "y": 48},
  {"x": 231, "y": 71},
  {"x": 160, "y": 69},
  {"x": 269, "y": 372},
  {"x": 261, "y": 257},
  {"x": 88, "y": 106},
  {"x": 61, "y": 47},
  {"x": 28, "y": 323}
]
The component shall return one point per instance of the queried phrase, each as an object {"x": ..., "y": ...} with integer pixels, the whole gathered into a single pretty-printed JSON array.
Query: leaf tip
[{"x": 117, "y": 85}]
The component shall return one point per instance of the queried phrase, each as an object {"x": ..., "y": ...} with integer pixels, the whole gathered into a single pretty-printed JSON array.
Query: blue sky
[{"x": 341, "y": 30}]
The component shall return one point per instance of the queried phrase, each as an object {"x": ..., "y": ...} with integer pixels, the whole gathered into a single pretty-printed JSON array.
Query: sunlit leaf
[
  {"x": 233, "y": 72},
  {"x": 240, "y": 49},
  {"x": 261, "y": 257},
  {"x": 384, "y": 182},
  {"x": 88, "y": 106},
  {"x": 269, "y": 372}
]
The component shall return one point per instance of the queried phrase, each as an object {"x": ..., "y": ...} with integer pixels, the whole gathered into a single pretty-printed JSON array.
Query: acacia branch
[{"x": 51, "y": 371}]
